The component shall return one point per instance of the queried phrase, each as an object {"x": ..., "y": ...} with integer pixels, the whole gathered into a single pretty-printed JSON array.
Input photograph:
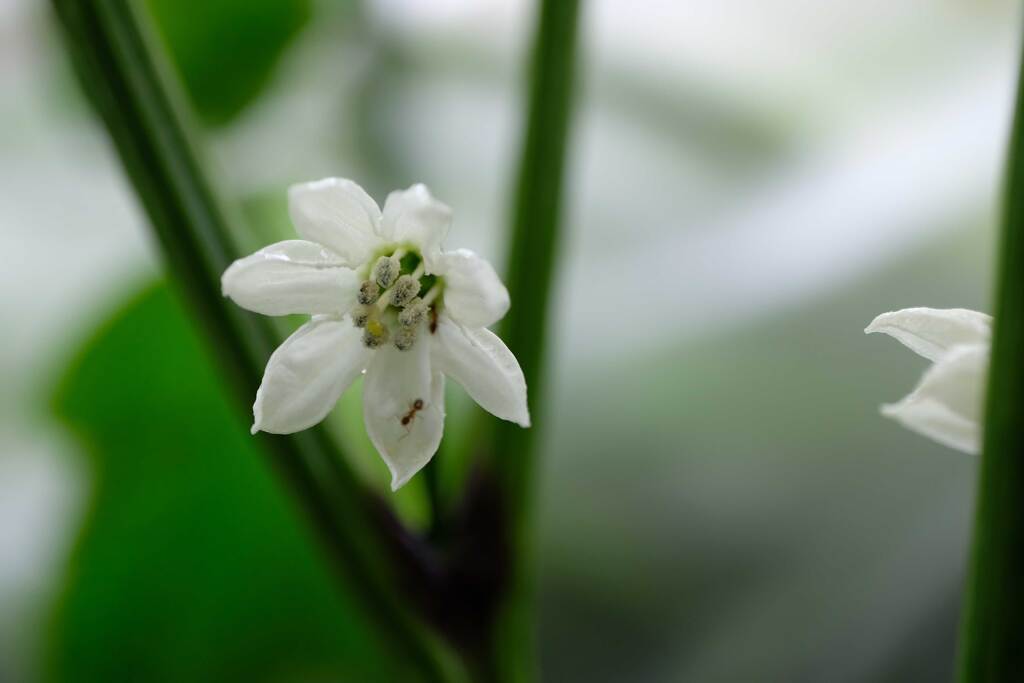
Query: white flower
[
  {"x": 386, "y": 301},
  {"x": 947, "y": 403}
]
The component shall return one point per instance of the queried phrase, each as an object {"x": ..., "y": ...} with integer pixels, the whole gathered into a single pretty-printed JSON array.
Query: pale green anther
[
  {"x": 405, "y": 338},
  {"x": 368, "y": 292},
  {"x": 385, "y": 271},
  {"x": 405, "y": 290},
  {"x": 361, "y": 315},
  {"x": 413, "y": 313}
]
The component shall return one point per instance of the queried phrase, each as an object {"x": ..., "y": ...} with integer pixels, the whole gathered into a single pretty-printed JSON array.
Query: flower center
[{"x": 391, "y": 307}]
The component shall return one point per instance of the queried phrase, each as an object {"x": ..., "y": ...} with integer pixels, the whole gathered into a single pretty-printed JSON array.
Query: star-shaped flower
[
  {"x": 387, "y": 301},
  {"x": 947, "y": 404}
]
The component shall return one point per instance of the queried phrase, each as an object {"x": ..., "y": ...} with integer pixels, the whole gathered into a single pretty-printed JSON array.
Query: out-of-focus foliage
[
  {"x": 810, "y": 524},
  {"x": 192, "y": 565},
  {"x": 226, "y": 50}
]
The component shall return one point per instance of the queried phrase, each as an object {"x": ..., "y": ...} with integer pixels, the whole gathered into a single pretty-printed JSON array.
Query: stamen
[
  {"x": 385, "y": 271},
  {"x": 413, "y": 313},
  {"x": 368, "y": 292},
  {"x": 404, "y": 290},
  {"x": 384, "y": 300},
  {"x": 405, "y": 338},
  {"x": 376, "y": 333},
  {"x": 361, "y": 315},
  {"x": 429, "y": 297}
]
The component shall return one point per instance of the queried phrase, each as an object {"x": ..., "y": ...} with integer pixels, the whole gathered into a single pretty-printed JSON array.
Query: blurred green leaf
[
  {"x": 226, "y": 50},
  {"x": 192, "y": 565}
]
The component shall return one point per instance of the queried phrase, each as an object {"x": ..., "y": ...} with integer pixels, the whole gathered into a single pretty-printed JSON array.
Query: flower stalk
[
  {"x": 992, "y": 644},
  {"x": 530, "y": 272}
]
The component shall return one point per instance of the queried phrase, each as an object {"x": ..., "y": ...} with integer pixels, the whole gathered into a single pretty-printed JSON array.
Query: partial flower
[
  {"x": 947, "y": 404},
  {"x": 386, "y": 301}
]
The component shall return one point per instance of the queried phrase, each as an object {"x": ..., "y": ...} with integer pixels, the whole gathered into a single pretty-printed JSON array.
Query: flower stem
[
  {"x": 112, "y": 52},
  {"x": 535, "y": 240},
  {"x": 992, "y": 630}
]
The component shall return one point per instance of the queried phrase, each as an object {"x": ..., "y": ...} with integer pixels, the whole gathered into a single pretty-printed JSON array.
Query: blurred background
[{"x": 751, "y": 182}]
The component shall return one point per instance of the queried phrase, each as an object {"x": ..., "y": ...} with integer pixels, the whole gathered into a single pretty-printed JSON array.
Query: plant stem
[
  {"x": 992, "y": 630},
  {"x": 535, "y": 241},
  {"x": 112, "y": 52},
  {"x": 432, "y": 482}
]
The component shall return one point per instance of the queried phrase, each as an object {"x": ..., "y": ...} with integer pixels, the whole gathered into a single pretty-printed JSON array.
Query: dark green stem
[
  {"x": 111, "y": 51},
  {"x": 536, "y": 217},
  {"x": 992, "y": 631},
  {"x": 432, "y": 482}
]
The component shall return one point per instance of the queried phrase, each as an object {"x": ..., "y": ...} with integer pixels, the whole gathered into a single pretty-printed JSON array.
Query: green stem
[
  {"x": 432, "y": 482},
  {"x": 536, "y": 217},
  {"x": 992, "y": 631},
  {"x": 121, "y": 73}
]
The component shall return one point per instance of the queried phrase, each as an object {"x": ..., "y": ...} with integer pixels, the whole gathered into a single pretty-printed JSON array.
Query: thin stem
[
  {"x": 432, "y": 481},
  {"x": 535, "y": 241},
  {"x": 127, "y": 84},
  {"x": 992, "y": 631}
]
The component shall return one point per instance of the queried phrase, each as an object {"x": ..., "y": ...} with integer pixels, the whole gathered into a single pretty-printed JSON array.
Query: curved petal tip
[{"x": 932, "y": 332}]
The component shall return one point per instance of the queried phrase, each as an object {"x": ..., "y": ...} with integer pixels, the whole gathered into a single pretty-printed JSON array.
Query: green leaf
[
  {"x": 225, "y": 51},
  {"x": 192, "y": 565}
]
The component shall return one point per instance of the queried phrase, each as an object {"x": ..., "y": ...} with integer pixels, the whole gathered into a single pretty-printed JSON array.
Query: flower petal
[
  {"x": 930, "y": 332},
  {"x": 291, "y": 277},
  {"x": 338, "y": 214},
  {"x": 414, "y": 216},
  {"x": 947, "y": 404},
  {"x": 473, "y": 292},
  {"x": 307, "y": 374},
  {"x": 483, "y": 365},
  {"x": 394, "y": 382}
]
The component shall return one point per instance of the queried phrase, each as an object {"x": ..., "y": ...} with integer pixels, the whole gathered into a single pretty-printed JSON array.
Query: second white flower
[{"x": 946, "y": 406}]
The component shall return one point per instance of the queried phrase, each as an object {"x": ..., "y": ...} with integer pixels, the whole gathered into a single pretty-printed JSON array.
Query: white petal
[
  {"x": 291, "y": 277},
  {"x": 483, "y": 365},
  {"x": 947, "y": 404},
  {"x": 414, "y": 216},
  {"x": 473, "y": 292},
  {"x": 307, "y": 374},
  {"x": 931, "y": 332},
  {"x": 394, "y": 382},
  {"x": 338, "y": 214}
]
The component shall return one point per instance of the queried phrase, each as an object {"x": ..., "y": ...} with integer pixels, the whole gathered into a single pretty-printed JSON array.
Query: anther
[
  {"x": 368, "y": 292},
  {"x": 405, "y": 289},
  {"x": 405, "y": 338},
  {"x": 361, "y": 315},
  {"x": 385, "y": 271},
  {"x": 376, "y": 333},
  {"x": 413, "y": 313}
]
